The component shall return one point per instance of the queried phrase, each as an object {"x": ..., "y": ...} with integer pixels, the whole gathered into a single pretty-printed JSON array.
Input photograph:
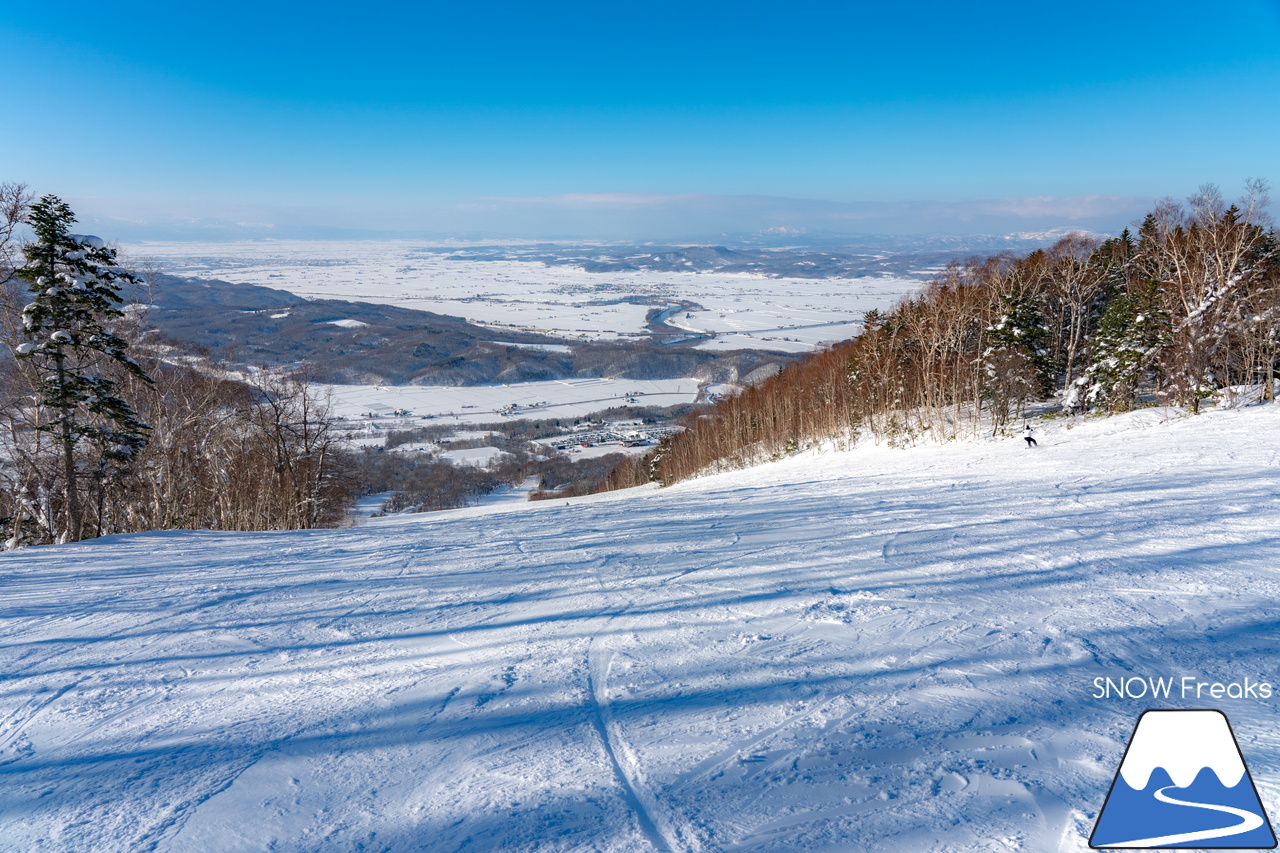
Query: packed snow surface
[{"x": 884, "y": 650}]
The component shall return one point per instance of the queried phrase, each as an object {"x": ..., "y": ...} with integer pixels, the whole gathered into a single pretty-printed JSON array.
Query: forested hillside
[
  {"x": 1185, "y": 309},
  {"x": 100, "y": 436}
]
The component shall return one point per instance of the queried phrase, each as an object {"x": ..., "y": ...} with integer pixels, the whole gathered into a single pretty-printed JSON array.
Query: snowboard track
[{"x": 602, "y": 720}]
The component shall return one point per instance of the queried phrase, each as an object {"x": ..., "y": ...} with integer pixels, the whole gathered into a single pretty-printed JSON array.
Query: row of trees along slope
[
  {"x": 100, "y": 437},
  {"x": 1186, "y": 308}
]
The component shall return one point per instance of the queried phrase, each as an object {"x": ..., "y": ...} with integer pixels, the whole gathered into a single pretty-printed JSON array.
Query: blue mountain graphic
[{"x": 1130, "y": 815}]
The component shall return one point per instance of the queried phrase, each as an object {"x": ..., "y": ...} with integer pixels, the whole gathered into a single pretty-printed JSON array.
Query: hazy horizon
[{"x": 630, "y": 217}]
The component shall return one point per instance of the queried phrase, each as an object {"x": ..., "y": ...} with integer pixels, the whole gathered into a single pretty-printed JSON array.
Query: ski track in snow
[{"x": 875, "y": 650}]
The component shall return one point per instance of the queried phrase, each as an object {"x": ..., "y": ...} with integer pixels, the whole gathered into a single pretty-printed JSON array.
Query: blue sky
[{"x": 571, "y": 116}]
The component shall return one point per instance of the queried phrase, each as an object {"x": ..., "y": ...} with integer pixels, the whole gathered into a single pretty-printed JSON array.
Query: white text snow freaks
[{"x": 1187, "y": 687}]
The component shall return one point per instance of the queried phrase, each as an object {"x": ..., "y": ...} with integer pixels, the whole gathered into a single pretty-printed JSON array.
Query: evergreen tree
[
  {"x": 1267, "y": 319},
  {"x": 1113, "y": 259},
  {"x": 1134, "y": 329},
  {"x": 1016, "y": 361},
  {"x": 1022, "y": 329},
  {"x": 75, "y": 286}
]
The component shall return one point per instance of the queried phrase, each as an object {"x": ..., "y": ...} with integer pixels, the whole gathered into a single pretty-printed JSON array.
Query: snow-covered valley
[
  {"x": 565, "y": 398},
  {"x": 741, "y": 311},
  {"x": 880, "y": 649}
]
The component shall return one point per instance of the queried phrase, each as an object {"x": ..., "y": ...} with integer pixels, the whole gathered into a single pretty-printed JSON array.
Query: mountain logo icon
[{"x": 1183, "y": 783}]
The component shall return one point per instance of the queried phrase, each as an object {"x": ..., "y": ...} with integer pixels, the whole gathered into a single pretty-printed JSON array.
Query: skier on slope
[{"x": 1027, "y": 434}]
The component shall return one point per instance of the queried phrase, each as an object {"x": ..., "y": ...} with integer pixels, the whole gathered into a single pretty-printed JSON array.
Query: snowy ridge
[{"x": 879, "y": 650}]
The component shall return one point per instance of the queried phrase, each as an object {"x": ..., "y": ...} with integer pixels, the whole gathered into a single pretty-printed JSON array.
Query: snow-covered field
[
  {"x": 785, "y": 314},
  {"x": 477, "y": 457},
  {"x": 879, "y": 650},
  {"x": 559, "y": 398}
]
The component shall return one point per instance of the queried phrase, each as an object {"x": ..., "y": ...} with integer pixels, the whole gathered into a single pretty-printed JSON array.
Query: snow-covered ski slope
[{"x": 880, "y": 650}]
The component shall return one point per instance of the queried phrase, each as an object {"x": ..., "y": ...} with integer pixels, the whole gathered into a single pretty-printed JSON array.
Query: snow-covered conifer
[
  {"x": 1016, "y": 361},
  {"x": 75, "y": 284},
  {"x": 1134, "y": 329}
]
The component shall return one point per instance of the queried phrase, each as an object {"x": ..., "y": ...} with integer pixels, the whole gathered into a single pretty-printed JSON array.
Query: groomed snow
[{"x": 879, "y": 650}]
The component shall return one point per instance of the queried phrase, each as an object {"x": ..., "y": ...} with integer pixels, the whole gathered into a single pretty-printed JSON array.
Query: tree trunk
[
  {"x": 69, "y": 471},
  {"x": 69, "y": 464}
]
